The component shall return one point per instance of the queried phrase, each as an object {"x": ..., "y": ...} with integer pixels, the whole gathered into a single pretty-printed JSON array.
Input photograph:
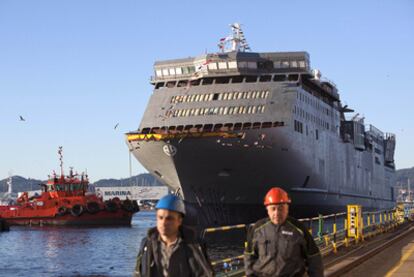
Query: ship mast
[
  {"x": 9, "y": 185},
  {"x": 236, "y": 40},
  {"x": 60, "y": 152}
]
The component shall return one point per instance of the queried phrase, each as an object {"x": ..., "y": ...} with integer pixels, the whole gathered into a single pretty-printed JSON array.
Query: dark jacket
[
  {"x": 189, "y": 259},
  {"x": 281, "y": 250}
]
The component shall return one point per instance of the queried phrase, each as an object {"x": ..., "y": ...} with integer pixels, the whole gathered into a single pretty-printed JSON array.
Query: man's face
[
  {"x": 168, "y": 222},
  {"x": 278, "y": 213}
]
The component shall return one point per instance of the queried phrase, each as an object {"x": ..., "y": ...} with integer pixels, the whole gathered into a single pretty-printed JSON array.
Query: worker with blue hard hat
[{"x": 171, "y": 249}]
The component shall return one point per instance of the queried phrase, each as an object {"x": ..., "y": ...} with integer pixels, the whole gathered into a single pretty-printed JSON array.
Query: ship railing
[{"x": 331, "y": 233}]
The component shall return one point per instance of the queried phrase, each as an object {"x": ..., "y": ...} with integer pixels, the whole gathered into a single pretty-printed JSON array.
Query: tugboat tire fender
[
  {"x": 111, "y": 206},
  {"x": 92, "y": 207},
  {"x": 76, "y": 210},
  {"x": 62, "y": 210},
  {"x": 127, "y": 205}
]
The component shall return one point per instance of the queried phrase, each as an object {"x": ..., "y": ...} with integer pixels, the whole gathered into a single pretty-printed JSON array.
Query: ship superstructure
[{"x": 222, "y": 128}]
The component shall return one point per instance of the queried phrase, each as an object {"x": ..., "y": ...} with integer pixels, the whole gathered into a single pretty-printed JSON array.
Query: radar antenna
[{"x": 236, "y": 40}]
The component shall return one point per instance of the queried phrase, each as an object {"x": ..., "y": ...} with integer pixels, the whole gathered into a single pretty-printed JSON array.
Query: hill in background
[
  {"x": 23, "y": 184},
  {"x": 146, "y": 179}
]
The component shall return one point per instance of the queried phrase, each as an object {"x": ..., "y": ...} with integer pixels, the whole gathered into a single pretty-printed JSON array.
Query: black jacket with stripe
[{"x": 285, "y": 249}]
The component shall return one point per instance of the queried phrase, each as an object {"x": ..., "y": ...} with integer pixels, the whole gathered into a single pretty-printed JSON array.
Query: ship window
[
  {"x": 154, "y": 129},
  {"x": 249, "y": 109},
  {"x": 237, "y": 79},
  {"x": 165, "y": 72},
  {"x": 188, "y": 127},
  {"x": 195, "y": 82},
  {"x": 254, "y": 109},
  {"x": 251, "y": 79},
  {"x": 159, "y": 85},
  {"x": 207, "y": 81},
  {"x": 268, "y": 65},
  {"x": 317, "y": 134},
  {"x": 222, "y": 80},
  {"x": 212, "y": 66},
  {"x": 230, "y": 96},
  {"x": 171, "y": 84},
  {"x": 249, "y": 94},
  {"x": 265, "y": 78},
  {"x": 182, "y": 83},
  {"x": 293, "y": 64},
  {"x": 285, "y": 64},
  {"x": 217, "y": 127},
  {"x": 220, "y": 111},
  {"x": 225, "y": 110},
  {"x": 242, "y": 64},
  {"x": 302, "y": 64},
  {"x": 158, "y": 72},
  {"x": 232, "y": 65},
  {"x": 266, "y": 124},
  {"x": 276, "y": 64},
  {"x": 256, "y": 125},
  {"x": 246, "y": 125},
  {"x": 279, "y": 78},
  {"x": 210, "y": 96},
  {"x": 222, "y": 65},
  {"x": 191, "y": 69},
  {"x": 252, "y": 65},
  {"x": 180, "y": 127},
  {"x": 172, "y": 71},
  {"x": 215, "y": 111},
  {"x": 145, "y": 130},
  {"x": 228, "y": 125},
  {"x": 207, "y": 127},
  {"x": 293, "y": 77},
  {"x": 171, "y": 128},
  {"x": 237, "y": 126},
  {"x": 178, "y": 71}
]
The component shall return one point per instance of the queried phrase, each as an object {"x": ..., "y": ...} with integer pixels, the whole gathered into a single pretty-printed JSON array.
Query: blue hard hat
[{"x": 171, "y": 202}]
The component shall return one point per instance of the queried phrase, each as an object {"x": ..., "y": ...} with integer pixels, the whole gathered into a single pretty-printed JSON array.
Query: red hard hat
[{"x": 276, "y": 196}]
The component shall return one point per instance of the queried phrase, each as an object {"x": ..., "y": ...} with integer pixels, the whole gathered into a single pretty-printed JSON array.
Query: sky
[{"x": 74, "y": 69}]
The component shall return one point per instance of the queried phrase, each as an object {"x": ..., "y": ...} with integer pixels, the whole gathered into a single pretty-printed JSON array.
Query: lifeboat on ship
[{"x": 65, "y": 200}]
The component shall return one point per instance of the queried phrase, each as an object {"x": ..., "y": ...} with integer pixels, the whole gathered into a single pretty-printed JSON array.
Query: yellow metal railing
[{"x": 328, "y": 240}]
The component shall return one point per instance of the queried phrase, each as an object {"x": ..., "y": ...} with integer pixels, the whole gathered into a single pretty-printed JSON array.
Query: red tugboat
[{"x": 65, "y": 200}]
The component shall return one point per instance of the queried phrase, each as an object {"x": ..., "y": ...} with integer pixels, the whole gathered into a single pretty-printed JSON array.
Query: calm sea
[
  {"x": 80, "y": 251},
  {"x": 64, "y": 251}
]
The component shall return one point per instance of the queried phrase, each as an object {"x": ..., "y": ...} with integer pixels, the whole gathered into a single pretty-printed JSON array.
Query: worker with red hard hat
[{"x": 280, "y": 245}]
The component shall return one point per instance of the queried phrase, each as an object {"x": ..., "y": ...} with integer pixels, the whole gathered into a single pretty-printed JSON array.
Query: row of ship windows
[
  {"x": 229, "y": 79},
  {"x": 298, "y": 126},
  {"x": 238, "y": 126},
  {"x": 208, "y": 65},
  {"x": 314, "y": 102},
  {"x": 235, "y": 95},
  {"x": 310, "y": 117},
  {"x": 216, "y": 111}
]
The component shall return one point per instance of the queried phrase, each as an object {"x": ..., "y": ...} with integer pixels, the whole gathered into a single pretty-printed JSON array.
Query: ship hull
[{"x": 225, "y": 179}]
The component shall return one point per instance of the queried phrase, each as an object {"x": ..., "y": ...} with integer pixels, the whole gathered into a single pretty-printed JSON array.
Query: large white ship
[{"x": 222, "y": 128}]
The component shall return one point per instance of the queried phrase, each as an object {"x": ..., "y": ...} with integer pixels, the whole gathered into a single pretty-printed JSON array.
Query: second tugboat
[{"x": 65, "y": 200}]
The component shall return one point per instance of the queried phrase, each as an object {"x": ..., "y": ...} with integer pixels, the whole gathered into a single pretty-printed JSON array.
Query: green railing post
[{"x": 320, "y": 226}]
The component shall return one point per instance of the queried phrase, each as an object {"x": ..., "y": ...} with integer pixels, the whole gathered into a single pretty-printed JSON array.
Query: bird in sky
[
  {"x": 116, "y": 126},
  {"x": 21, "y": 118}
]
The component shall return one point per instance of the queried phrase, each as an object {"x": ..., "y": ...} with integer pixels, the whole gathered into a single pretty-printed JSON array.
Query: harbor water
[
  {"x": 85, "y": 251},
  {"x": 73, "y": 251}
]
